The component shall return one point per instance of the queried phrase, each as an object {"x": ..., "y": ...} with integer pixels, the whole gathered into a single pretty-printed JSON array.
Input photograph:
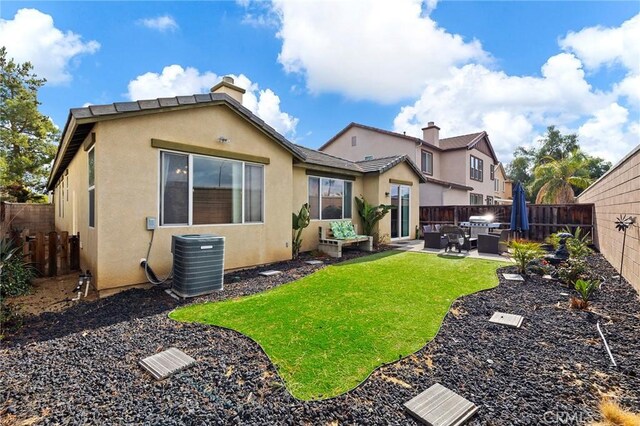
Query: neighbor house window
[
  {"x": 330, "y": 198},
  {"x": 489, "y": 200},
  {"x": 202, "y": 190},
  {"x": 354, "y": 141},
  {"x": 475, "y": 199},
  {"x": 492, "y": 171},
  {"x": 426, "y": 162},
  {"x": 496, "y": 185},
  {"x": 92, "y": 188},
  {"x": 475, "y": 168},
  {"x": 368, "y": 157}
]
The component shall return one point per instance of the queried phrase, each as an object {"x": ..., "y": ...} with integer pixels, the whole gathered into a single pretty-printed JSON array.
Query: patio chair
[
  {"x": 433, "y": 239},
  {"x": 494, "y": 243},
  {"x": 456, "y": 238}
]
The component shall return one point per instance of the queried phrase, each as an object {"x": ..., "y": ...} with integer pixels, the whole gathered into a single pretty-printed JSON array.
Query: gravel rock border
[{"x": 80, "y": 366}]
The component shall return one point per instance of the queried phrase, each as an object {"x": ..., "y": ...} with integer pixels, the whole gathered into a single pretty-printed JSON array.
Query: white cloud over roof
[
  {"x": 373, "y": 50},
  {"x": 175, "y": 80}
]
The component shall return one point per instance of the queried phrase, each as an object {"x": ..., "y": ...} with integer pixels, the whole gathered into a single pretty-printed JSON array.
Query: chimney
[
  {"x": 227, "y": 86},
  {"x": 431, "y": 134}
]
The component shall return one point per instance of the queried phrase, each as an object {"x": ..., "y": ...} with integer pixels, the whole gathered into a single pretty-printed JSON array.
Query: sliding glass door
[{"x": 400, "y": 199}]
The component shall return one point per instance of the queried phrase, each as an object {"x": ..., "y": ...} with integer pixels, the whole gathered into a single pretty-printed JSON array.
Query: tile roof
[
  {"x": 462, "y": 141},
  {"x": 375, "y": 165},
  {"x": 322, "y": 159}
]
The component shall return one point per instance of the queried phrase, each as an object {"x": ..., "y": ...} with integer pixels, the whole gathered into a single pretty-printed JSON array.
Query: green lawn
[{"x": 328, "y": 331}]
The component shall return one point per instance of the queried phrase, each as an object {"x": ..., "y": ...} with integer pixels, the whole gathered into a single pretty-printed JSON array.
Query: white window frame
[
  {"x": 344, "y": 181},
  {"x": 423, "y": 167},
  {"x": 190, "y": 223}
]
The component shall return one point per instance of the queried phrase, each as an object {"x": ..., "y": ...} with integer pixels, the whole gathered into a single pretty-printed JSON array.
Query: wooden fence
[
  {"x": 544, "y": 219},
  {"x": 50, "y": 253}
]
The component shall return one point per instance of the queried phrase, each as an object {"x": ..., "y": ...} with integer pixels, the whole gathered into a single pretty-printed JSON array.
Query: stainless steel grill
[{"x": 479, "y": 225}]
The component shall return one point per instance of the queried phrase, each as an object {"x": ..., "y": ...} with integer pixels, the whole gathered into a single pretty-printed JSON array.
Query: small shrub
[
  {"x": 585, "y": 288},
  {"x": 10, "y": 319},
  {"x": 15, "y": 273},
  {"x": 571, "y": 271},
  {"x": 578, "y": 246},
  {"x": 524, "y": 252},
  {"x": 539, "y": 267}
]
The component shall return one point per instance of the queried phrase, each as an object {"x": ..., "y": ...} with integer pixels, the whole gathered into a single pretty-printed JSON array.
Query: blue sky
[{"x": 310, "y": 68}]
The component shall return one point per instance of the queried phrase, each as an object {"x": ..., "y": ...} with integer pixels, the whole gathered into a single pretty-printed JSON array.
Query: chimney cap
[
  {"x": 228, "y": 82},
  {"x": 430, "y": 125}
]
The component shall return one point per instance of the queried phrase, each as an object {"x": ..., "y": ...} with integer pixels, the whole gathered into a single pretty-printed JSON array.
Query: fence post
[
  {"x": 64, "y": 252},
  {"x": 74, "y": 248},
  {"x": 40, "y": 253},
  {"x": 53, "y": 254}
]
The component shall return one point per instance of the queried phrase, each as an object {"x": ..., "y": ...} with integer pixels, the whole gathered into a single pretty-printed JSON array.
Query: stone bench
[{"x": 333, "y": 246}]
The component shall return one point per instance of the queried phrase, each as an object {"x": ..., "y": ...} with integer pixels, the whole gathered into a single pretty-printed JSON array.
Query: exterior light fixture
[{"x": 222, "y": 139}]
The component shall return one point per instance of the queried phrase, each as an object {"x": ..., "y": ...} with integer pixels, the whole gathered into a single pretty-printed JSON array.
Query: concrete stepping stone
[
  {"x": 507, "y": 319},
  {"x": 513, "y": 277},
  {"x": 439, "y": 406},
  {"x": 314, "y": 262},
  {"x": 166, "y": 363},
  {"x": 270, "y": 273}
]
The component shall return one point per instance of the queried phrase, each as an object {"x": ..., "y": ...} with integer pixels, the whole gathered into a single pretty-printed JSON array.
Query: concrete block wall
[
  {"x": 34, "y": 217},
  {"x": 614, "y": 194}
]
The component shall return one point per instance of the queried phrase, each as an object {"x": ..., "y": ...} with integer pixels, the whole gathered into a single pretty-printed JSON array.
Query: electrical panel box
[{"x": 151, "y": 223}]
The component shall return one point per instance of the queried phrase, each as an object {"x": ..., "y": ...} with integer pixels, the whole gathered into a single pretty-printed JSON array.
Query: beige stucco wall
[
  {"x": 615, "y": 194},
  {"x": 127, "y": 191},
  {"x": 301, "y": 195},
  {"x": 454, "y": 167},
  {"x": 370, "y": 143},
  {"x": 73, "y": 217}
]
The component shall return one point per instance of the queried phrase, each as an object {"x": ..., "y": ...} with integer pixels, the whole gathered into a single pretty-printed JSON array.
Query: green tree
[
  {"x": 553, "y": 147},
  {"x": 27, "y": 137},
  {"x": 556, "y": 178}
]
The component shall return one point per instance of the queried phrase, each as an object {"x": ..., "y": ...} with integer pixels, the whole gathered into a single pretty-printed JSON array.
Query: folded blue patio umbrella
[{"x": 519, "y": 219}]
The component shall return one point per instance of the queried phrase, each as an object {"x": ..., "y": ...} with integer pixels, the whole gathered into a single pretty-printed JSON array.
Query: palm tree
[{"x": 556, "y": 178}]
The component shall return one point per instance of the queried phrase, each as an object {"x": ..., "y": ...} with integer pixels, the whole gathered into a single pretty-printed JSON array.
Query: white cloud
[
  {"x": 375, "y": 50},
  {"x": 608, "y": 133},
  {"x": 160, "y": 23},
  {"x": 31, "y": 36},
  {"x": 508, "y": 107},
  {"x": 598, "y": 46},
  {"x": 175, "y": 80}
]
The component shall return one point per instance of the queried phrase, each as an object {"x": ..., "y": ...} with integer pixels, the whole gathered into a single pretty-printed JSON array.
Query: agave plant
[{"x": 623, "y": 223}]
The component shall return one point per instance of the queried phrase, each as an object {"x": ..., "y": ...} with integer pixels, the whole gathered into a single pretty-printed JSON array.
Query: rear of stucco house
[{"x": 200, "y": 164}]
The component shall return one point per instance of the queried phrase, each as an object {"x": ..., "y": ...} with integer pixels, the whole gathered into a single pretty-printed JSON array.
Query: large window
[
  {"x": 475, "y": 168},
  {"x": 92, "y": 188},
  {"x": 330, "y": 198},
  {"x": 475, "y": 199},
  {"x": 492, "y": 171},
  {"x": 426, "y": 161},
  {"x": 200, "y": 190}
]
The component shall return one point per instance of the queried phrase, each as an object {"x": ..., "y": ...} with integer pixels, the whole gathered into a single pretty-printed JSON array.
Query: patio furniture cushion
[{"x": 343, "y": 230}]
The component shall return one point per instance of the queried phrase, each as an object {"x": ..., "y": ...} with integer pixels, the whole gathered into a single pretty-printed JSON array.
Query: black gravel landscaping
[{"x": 81, "y": 366}]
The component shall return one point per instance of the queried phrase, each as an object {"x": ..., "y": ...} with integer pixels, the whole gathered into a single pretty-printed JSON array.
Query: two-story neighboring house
[
  {"x": 501, "y": 186},
  {"x": 458, "y": 170}
]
